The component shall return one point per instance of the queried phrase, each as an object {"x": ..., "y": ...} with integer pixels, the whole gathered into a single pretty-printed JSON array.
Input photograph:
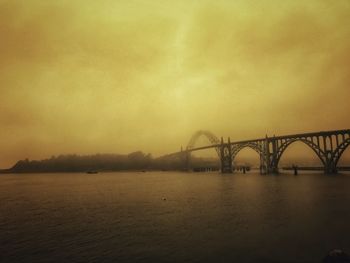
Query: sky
[{"x": 109, "y": 76}]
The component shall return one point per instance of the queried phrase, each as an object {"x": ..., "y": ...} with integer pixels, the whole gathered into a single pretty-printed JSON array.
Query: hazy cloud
[{"x": 117, "y": 76}]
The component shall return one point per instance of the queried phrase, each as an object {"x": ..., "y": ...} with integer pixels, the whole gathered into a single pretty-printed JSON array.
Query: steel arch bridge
[{"x": 327, "y": 145}]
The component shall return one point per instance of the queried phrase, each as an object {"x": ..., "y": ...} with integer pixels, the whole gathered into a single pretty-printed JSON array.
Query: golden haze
[{"x": 89, "y": 76}]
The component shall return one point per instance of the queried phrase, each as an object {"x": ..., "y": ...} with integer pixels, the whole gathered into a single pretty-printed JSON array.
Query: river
[{"x": 172, "y": 217}]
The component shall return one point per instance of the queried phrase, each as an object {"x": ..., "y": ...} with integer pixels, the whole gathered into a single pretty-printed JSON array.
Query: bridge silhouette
[{"x": 327, "y": 145}]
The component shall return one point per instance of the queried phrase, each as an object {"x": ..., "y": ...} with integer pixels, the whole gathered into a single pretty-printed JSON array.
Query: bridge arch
[
  {"x": 237, "y": 148},
  {"x": 209, "y": 135},
  {"x": 281, "y": 149},
  {"x": 340, "y": 150}
]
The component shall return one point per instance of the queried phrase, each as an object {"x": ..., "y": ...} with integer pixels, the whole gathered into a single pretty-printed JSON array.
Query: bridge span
[{"x": 327, "y": 145}]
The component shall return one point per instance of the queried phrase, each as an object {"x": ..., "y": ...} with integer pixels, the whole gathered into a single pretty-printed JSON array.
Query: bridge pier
[
  {"x": 330, "y": 169},
  {"x": 274, "y": 161},
  {"x": 330, "y": 166},
  {"x": 273, "y": 170},
  {"x": 226, "y": 156},
  {"x": 269, "y": 169},
  {"x": 268, "y": 157},
  {"x": 272, "y": 167}
]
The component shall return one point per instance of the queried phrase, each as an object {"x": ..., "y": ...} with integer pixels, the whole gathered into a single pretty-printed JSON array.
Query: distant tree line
[
  {"x": 104, "y": 162},
  {"x": 83, "y": 163}
]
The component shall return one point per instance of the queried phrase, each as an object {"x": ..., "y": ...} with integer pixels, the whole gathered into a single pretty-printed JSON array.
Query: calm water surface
[{"x": 172, "y": 217}]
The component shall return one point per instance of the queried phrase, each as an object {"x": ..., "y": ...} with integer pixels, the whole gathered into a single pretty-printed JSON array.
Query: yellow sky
[{"x": 111, "y": 76}]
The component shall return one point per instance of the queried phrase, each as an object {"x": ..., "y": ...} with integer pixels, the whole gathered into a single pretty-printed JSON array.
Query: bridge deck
[{"x": 300, "y": 135}]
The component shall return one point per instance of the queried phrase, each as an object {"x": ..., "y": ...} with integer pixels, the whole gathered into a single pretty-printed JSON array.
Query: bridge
[{"x": 327, "y": 145}]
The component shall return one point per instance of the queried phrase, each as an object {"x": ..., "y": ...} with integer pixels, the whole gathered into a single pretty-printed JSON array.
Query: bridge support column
[
  {"x": 270, "y": 158},
  {"x": 274, "y": 163},
  {"x": 226, "y": 156},
  {"x": 330, "y": 169},
  {"x": 330, "y": 166},
  {"x": 273, "y": 170}
]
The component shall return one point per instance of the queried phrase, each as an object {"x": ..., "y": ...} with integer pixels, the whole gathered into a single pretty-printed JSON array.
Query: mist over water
[{"x": 172, "y": 217}]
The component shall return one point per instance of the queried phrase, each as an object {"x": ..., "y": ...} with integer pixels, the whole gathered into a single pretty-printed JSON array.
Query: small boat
[{"x": 92, "y": 172}]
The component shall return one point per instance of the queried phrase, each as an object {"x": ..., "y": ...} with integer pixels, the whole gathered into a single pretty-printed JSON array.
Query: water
[{"x": 172, "y": 217}]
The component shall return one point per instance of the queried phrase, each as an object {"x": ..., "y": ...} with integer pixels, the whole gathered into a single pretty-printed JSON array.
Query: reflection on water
[{"x": 172, "y": 217}]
